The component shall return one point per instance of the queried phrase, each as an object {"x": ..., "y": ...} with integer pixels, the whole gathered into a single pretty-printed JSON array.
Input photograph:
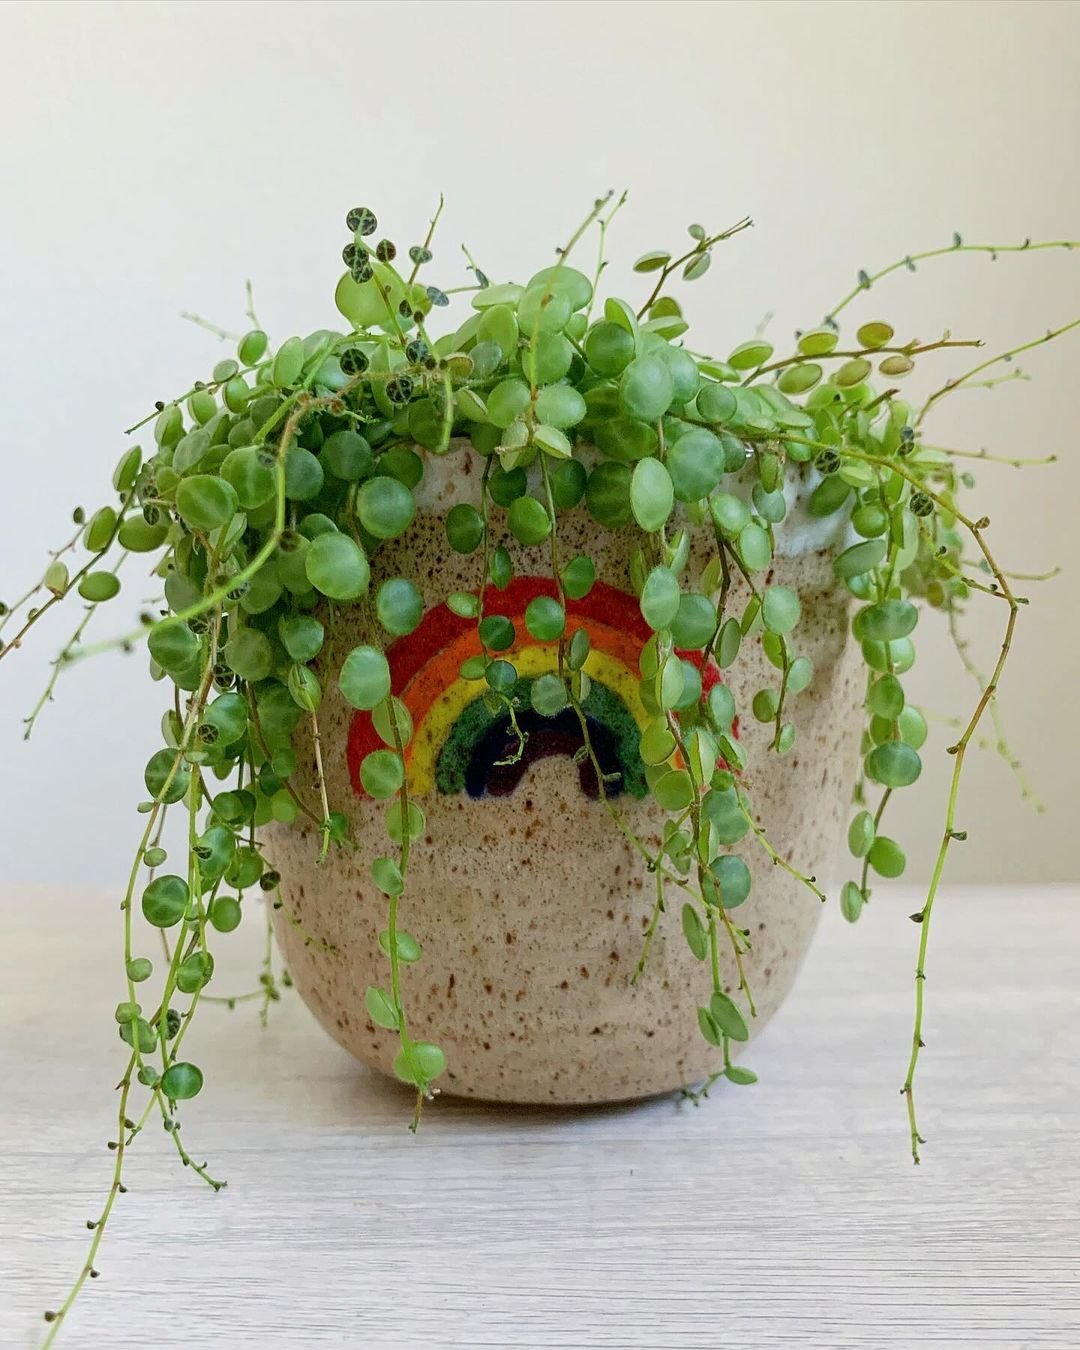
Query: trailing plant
[{"x": 257, "y": 497}]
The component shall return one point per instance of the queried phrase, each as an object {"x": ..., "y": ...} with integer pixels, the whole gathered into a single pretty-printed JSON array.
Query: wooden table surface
[{"x": 784, "y": 1214}]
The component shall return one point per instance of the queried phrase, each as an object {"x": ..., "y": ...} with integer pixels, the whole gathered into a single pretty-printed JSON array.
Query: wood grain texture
[{"x": 785, "y": 1214}]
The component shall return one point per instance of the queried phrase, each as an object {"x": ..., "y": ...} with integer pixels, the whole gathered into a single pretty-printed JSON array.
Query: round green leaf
[
  {"x": 225, "y": 913},
  {"x": 750, "y": 355},
  {"x": 818, "y": 341},
  {"x": 560, "y": 405},
  {"x": 568, "y": 484},
  {"x": 894, "y": 764},
  {"x": 728, "y": 643},
  {"x": 501, "y": 676},
  {"x": 657, "y": 744},
  {"x": 464, "y": 528},
  {"x": 464, "y": 604},
  {"x": 529, "y": 522},
  {"x": 381, "y": 1008},
  {"x": 250, "y": 655},
  {"x": 304, "y": 686},
  {"x": 696, "y": 463},
  {"x": 497, "y": 632},
  {"x": 250, "y": 473},
  {"x": 726, "y": 1015},
  {"x": 567, "y": 281},
  {"x": 543, "y": 310},
  {"x": 625, "y": 438},
  {"x": 674, "y": 790},
  {"x": 99, "y": 586},
  {"x": 507, "y": 485},
  {"x": 694, "y": 622},
  {"x": 507, "y": 402},
  {"x": 875, "y": 335},
  {"x": 651, "y": 494},
  {"x": 578, "y": 577},
  {"x": 717, "y": 403},
  {"x": 754, "y": 547},
  {"x": 861, "y": 834},
  {"x": 303, "y": 475},
  {"x": 399, "y": 606},
  {"x": 660, "y": 598},
  {"x": 885, "y": 621},
  {"x": 735, "y": 1073},
  {"x": 364, "y": 679},
  {"x": 646, "y": 388},
  {"x": 799, "y": 379},
  {"x": 403, "y": 465},
  {"x": 382, "y": 773},
  {"x": 423, "y": 1062},
  {"x": 181, "y": 1081},
  {"x": 898, "y": 656},
  {"x": 162, "y": 769},
  {"x": 607, "y": 495},
  {"x": 697, "y": 939},
  {"x": 859, "y": 558},
  {"x": 288, "y": 363},
  {"x": 548, "y": 695},
  {"x": 552, "y": 441},
  {"x": 165, "y": 901},
  {"x": 387, "y": 876},
  {"x": 886, "y": 697},
  {"x": 301, "y": 636},
  {"x": 205, "y": 501},
  {"x": 385, "y": 507},
  {"x": 852, "y": 372},
  {"x": 730, "y": 513},
  {"x": 609, "y": 348},
  {"x": 800, "y": 673},
  {"x": 545, "y": 618},
  {"x": 347, "y": 455},
  {"x": 851, "y": 901},
  {"x": 721, "y": 707},
  {"x": 780, "y": 609},
  {"x": 335, "y": 565},
  {"x": 887, "y": 857},
  {"x": 139, "y": 536},
  {"x": 99, "y": 531},
  {"x": 195, "y": 972},
  {"x": 732, "y": 879},
  {"x": 913, "y": 729},
  {"x": 652, "y": 261}
]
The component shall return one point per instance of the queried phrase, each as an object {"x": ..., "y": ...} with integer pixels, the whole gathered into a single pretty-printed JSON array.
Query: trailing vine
[{"x": 270, "y": 486}]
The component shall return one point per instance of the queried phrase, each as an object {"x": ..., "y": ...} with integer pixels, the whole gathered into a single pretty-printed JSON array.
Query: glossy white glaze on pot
[{"x": 531, "y": 908}]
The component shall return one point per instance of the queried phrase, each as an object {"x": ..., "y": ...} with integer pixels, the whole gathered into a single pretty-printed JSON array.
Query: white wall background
[{"x": 156, "y": 155}]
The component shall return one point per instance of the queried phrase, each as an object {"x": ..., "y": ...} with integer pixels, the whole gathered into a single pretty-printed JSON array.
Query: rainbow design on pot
[{"x": 460, "y": 744}]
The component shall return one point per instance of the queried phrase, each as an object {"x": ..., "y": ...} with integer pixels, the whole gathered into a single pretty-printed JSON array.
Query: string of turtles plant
[{"x": 267, "y": 488}]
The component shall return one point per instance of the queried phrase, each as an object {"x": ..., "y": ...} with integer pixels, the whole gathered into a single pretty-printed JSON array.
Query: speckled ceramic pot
[{"x": 528, "y": 903}]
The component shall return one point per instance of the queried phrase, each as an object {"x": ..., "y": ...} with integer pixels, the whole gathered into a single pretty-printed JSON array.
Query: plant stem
[
  {"x": 55, "y": 1319},
  {"x": 702, "y": 246},
  {"x": 427, "y": 239},
  {"x": 908, "y": 349},
  {"x": 950, "y": 386},
  {"x": 912, "y": 258}
]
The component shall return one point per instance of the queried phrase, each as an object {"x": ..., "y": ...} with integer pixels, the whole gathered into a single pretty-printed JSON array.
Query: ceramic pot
[{"x": 528, "y": 902}]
